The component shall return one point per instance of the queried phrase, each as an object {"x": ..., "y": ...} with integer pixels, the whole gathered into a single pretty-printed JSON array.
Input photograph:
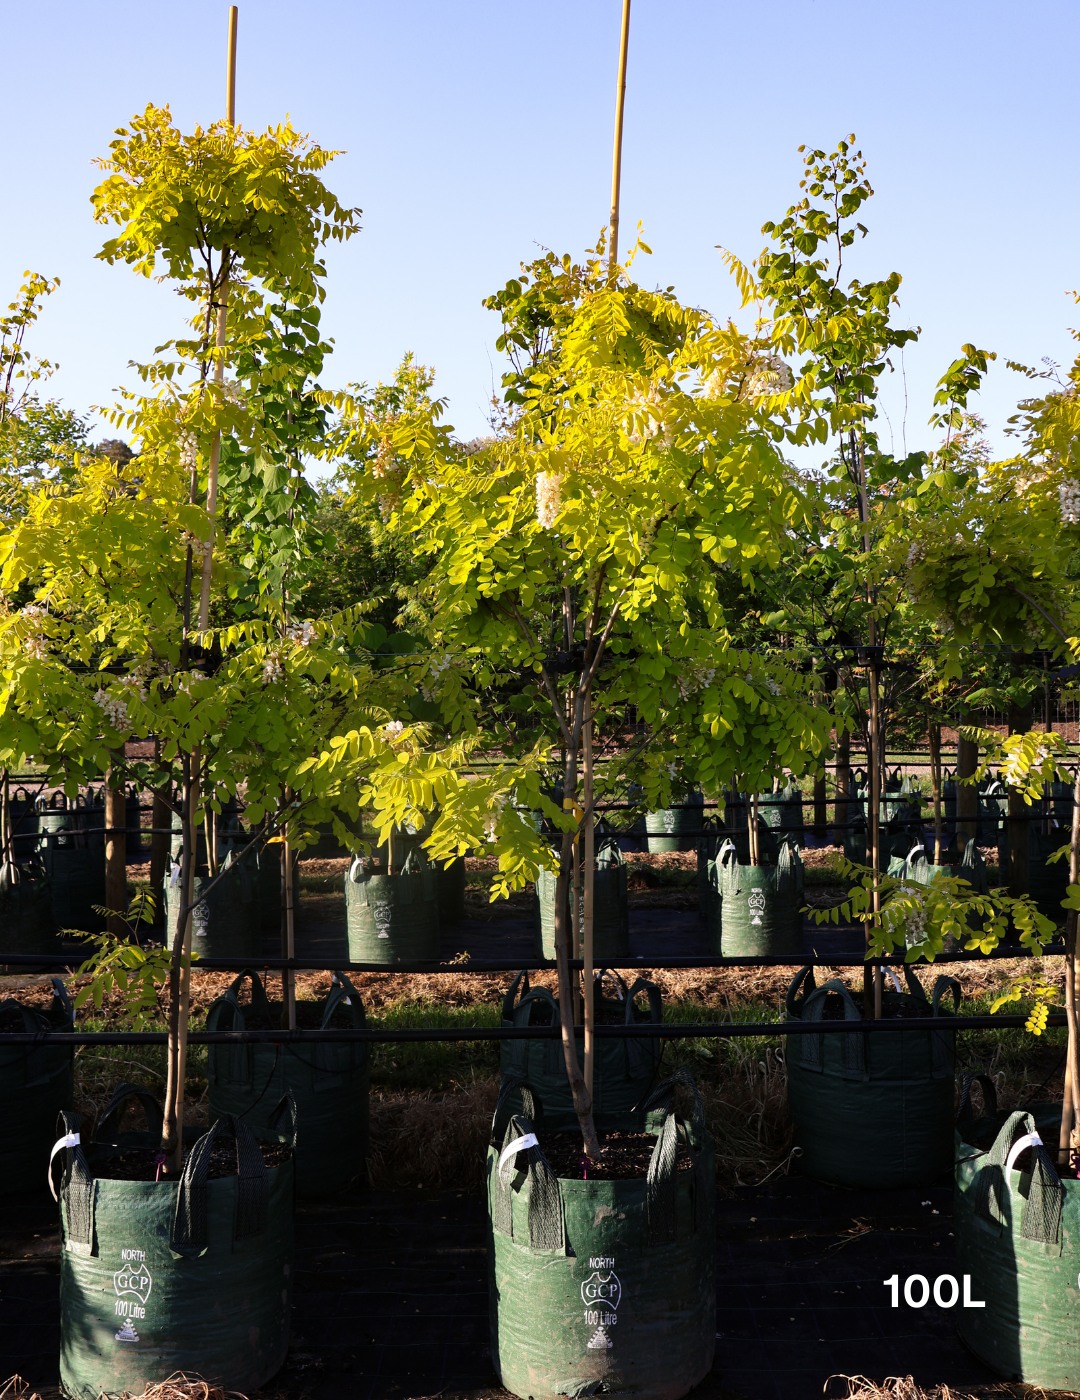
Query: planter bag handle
[
  {"x": 539, "y": 995},
  {"x": 226, "y": 1014},
  {"x": 188, "y": 1236},
  {"x": 808, "y": 983},
  {"x": 812, "y": 1048},
  {"x": 60, "y": 994},
  {"x": 260, "y": 1003},
  {"x": 106, "y": 1130},
  {"x": 532, "y": 1107},
  {"x": 661, "y": 1182},
  {"x": 283, "y": 1119},
  {"x": 510, "y": 999},
  {"x": 916, "y": 988},
  {"x": 728, "y": 868},
  {"x": 942, "y": 1046},
  {"x": 941, "y": 986},
  {"x": 77, "y": 1185},
  {"x": 656, "y": 1003},
  {"x": 546, "y": 1226},
  {"x": 965, "y": 1113},
  {"x": 35, "y": 1062},
  {"x": 1042, "y": 1211},
  {"x": 328, "y": 1068}
]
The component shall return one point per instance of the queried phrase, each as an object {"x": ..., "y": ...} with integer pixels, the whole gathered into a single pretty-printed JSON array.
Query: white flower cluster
[
  {"x": 1069, "y": 502},
  {"x": 394, "y": 728},
  {"x": 33, "y": 610},
  {"x": 189, "y": 451},
  {"x": 649, "y": 407},
  {"x": 272, "y": 669},
  {"x": 384, "y": 458},
  {"x": 303, "y": 634},
  {"x": 768, "y": 374},
  {"x": 714, "y": 386},
  {"x": 491, "y": 827},
  {"x": 234, "y": 394},
  {"x": 35, "y": 648},
  {"x": 1011, "y": 771},
  {"x": 915, "y": 918},
  {"x": 692, "y": 678},
  {"x": 916, "y": 553},
  {"x": 435, "y": 671},
  {"x": 475, "y": 445},
  {"x": 773, "y": 687},
  {"x": 548, "y": 498},
  {"x": 185, "y": 681},
  {"x": 190, "y": 541},
  {"x": 137, "y": 681},
  {"x": 673, "y": 771},
  {"x": 116, "y": 711}
]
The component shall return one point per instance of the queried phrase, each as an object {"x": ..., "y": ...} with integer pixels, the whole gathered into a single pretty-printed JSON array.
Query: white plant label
[
  {"x": 601, "y": 1293},
  {"x": 132, "y": 1285}
]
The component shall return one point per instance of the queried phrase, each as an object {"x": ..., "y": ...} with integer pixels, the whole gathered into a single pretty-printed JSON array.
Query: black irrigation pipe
[
  {"x": 271, "y": 964},
  {"x": 714, "y": 1030}
]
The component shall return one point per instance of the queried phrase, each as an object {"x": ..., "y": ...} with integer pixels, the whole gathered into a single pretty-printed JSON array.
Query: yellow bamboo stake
[
  {"x": 219, "y": 342},
  {"x": 616, "y": 164}
]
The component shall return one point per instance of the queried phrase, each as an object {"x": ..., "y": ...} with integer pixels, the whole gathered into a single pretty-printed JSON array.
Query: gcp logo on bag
[
  {"x": 601, "y": 1290},
  {"x": 755, "y": 902}
]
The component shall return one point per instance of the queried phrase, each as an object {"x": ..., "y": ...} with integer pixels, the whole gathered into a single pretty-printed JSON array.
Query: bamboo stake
[
  {"x": 219, "y": 343},
  {"x": 935, "y": 783},
  {"x": 290, "y": 932},
  {"x": 590, "y": 892},
  {"x": 616, "y": 161},
  {"x": 1070, "y": 1118}
]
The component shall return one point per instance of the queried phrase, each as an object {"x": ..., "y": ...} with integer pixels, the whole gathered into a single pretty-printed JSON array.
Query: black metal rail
[{"x": 712, "y": 1030}]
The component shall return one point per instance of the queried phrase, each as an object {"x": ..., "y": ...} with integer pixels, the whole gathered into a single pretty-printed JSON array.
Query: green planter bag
[
  {"x": 36, "y": 1084},
  {"x": 191, "y": 1274},
  {"x": 72, "y": 846},
  {"x": 782, "y": 812},
  {"x": 602, "y": 1284},
  {"x": 611, "y": 908},
  {"x": 761, "y": 904},
  {"x": 676, "y": 828},
  {"x": 24, "y": 825},
  {"x": 1047, "y": 880},
  {"x": 623, "y": 1072},
  {"x": 226, "y": 923},
  {"x": 26, "y": 911},
  {"x": 970, "y": 867},
  {"x": 392, "y": 918},
  {"x": 328, "y": 1083},
  {"x": 451, "y": 882},
  {"x": 1018, "y": 1239},
  {"x": 872, "y": 1110}
]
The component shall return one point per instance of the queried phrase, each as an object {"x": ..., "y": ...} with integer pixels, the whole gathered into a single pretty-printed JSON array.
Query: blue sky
[{"x": 476, "y": 131}]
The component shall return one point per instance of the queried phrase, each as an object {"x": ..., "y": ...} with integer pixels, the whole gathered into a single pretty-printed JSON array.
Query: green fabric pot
[
  {"x": 623, "y": 1070},
  {"x": 26, "y": 914},
  {"x": 226, "y": 923},
  {"x": 392, "y": 918},
  {"x": 676, "y": 828},
  {"x": 1018, "y": 1237},
  {"x": 761, "y": 904},
  {"x": 36, "y": 1085},
  {"x": 611, "y": 912},
  {"x": 24, "y": 825},
  {"x": 1047, "y": 882},
  {"x": 872, "y": 1111},
  {"x": 184, "y": 1275},
  {"x": 329, "y": 1083},
  {"x": 970, "y": 867},
  {"x": 602, "y": 1284},
  {"x": 451, "y": 881},
  {"x": 782, "y": 812}
]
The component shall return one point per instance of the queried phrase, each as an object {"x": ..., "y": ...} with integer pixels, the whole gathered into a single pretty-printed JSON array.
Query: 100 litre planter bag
[
  {"x": 624, "y": 1068},
  {"x": 611, "y": 907},
  {"x": 188, "y": 1274},
  {"x": 761, "y": 911},
  {"x": 1018, "y": 1237},
  {"x": 36, "y": 1083},
  {"x": 329, "y": 1083},
  {"x": 872, "y": 1109},
  {"x": 392, "y": 918},
  {"x": 602, "y": 1286}
]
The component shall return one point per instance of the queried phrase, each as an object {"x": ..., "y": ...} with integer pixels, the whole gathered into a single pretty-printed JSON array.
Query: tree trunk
[
  {"x": 935, "y": 783},
  {"x": 1019, "y": 876},
  {"x": 580, "y": 1094},
  {"x": 821, "y": 816},
  {"x": 589, "y": 843},
  {"x": 116, "y": 851},
  {"x": 172, "y": 1133},
  {"x": 1070, "y": 1108},
  {"x": 161, "y": 825},
  {"x": 967, "y": 796},
  {"x": 843, "y": 782}
]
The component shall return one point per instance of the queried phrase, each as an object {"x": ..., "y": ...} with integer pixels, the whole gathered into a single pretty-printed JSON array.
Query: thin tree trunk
[
  {"x": 874, "y": 825},
  {"x": 161, "y": 824},
  {"x": 935, "y": 783},
  {"x": 116, "y": 850},
  {"x": 290, "y": 933},
  {"x": 967, "y": 796},
  {"x": 1070, "y": 1108},
  {"x": 843, "y": 781},
  {"x": 172, "y": 1136},
  {"x": 589, "y": 841},
  {"x": 1019, "y": 876}
]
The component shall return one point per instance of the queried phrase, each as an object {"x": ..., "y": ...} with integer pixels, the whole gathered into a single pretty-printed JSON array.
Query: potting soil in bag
[
  {"x": 329, "y": 1083},
  {"x": 872, "y": 1109},
  {"x": 762, "y": 904},
  {"x": 1018, "y": 1239},
  {"x": 392, "y": 918},
  {"x": 191, "y": 1274},
  {"x": 611, "y": 908},
  {"x": 36, "y": 1084},
  {"x": 624, "y": 1069},
  {"x": 602, "y": 1285}
]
